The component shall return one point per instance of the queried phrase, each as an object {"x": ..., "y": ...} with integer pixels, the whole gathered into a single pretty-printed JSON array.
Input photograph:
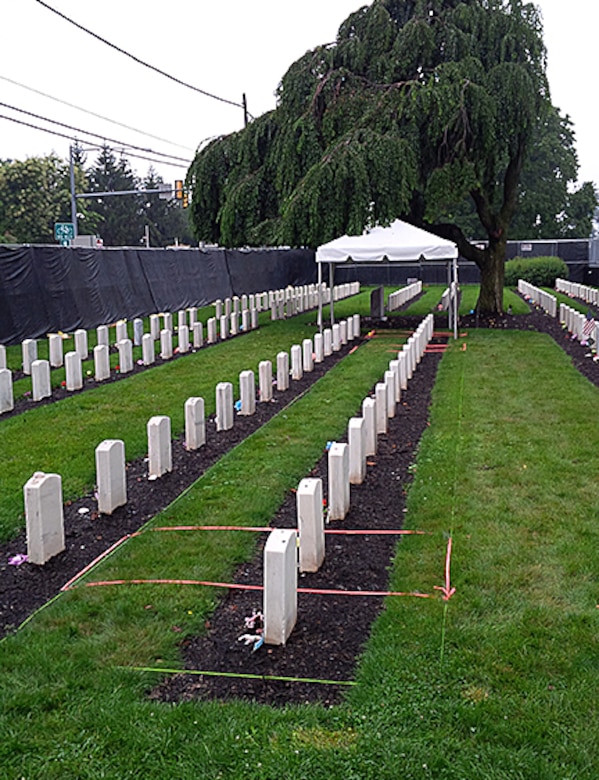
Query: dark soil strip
[{"x": 25, "y": 588}]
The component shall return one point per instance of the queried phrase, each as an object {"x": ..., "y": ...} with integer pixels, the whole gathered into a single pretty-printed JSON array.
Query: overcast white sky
[{"x": 226, "y": 48}]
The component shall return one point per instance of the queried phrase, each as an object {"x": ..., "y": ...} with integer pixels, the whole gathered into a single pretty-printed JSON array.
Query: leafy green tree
[
  {"x": 417, "y": 107},
  {"x": 121, "y": 216},
  {"x": 34, "y": 194}
]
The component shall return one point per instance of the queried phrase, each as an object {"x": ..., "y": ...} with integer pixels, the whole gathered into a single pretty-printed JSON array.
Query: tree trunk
[{"x": 492, "y": 274}]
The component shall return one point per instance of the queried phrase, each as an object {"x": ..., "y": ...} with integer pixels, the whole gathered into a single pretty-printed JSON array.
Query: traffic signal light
[
  {"x": 179, "y": 189},
  {"x": 185, "y": 202}
]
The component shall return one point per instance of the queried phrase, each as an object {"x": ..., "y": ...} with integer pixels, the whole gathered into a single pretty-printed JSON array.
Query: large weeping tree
[{"x": 418, "y": 106}]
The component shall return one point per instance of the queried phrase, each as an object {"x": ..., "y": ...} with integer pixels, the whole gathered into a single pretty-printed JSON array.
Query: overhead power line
[
  {"x": 96, "y": 135},
  {"x": 140, "y": 61},
  {"x": 93, "y": 113},
  {"x": 95, "y": 146}
]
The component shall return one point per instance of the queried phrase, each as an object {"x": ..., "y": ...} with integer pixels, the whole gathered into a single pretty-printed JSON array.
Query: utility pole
[
  {"x": 245, "y": 110},
  {"x": 73, "y": 197}
]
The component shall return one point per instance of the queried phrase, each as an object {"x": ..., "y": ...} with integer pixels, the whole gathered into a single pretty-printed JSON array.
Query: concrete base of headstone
[
  {"x": 44, "y": 517},
  {"x": 6, "y": 391},
  {"x": 282, "y": 371},
  {"x": 101, "y": 363},
  {"x": 265, "y": 380},
  {"x": 310, "y": 522},
  {"x": 195, "y": 425},
  {"x": 110, "y": 475},
  {"x": 224, "y": 406},
  {"x": 73, "y": 370},
  {"x": 338, "y": 470},
  {"x": 280, "y": 586},
  {"x": 159, "y": 446},
  {"x": 40, "y": 380}
]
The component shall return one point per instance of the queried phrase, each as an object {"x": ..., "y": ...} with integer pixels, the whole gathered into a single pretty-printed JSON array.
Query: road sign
[{"x": 64, "y": 232}]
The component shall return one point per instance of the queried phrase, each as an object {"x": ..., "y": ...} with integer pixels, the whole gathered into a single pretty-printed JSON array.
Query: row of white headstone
[
  {"x": 283, "y": 553},
  {"x": 295, "y": 300},
  {"x": 539, "y": 297},
  {"x": 43, "y": 492},
  {"x": 577, "y": 323},
  {"x": 398, "y": 298},
  {"x": 576, "y": 290}
]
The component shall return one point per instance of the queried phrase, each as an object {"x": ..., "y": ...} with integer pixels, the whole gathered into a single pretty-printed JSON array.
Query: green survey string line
[
  {"x": 453, "y": 497},
  {"x": 238, "y": 675}
]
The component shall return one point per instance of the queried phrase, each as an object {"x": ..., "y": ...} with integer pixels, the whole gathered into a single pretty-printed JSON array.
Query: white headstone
[
  {"x": 74, "y": 373},
  {"x": 380, "y": 394},
  {"x": 338, "y": 463},
  {"x": 265, "y": 380},
  {"x": 29, "y": 349},
  {"x": 166, "y": 344},
  {"x": 307, "y": 355},
  {"x": 81, "y": 347},
  {"x": 282, "y": 371},
  {"x": 369, "y": 416},
  {"x": 310, "y": 522},
  {"x": 44, "y": 517},
  {"x": 343, "y": 331},
  {"x": 394, "y": 366},
  {"x": 159, "y": 446},
  {"x": 125, "y": 348},
  {"x": 224, "y": 406},
  {"x": 110, "y": 475},
  {"x": 138, "y": 331},
  {"x": 280, "y": 586},
  {"x": 195, "y": 425},
  {"x": 318, "y": 348},
  {"x": 234, "y": 323},
  {"x": 55, "y": 350},
  {"x": 101, "y": 363},
  {"x": 391, "y": 393},
  {"x": 168, "y": 321},
  {"x": 155, "y": 326},
  {"x": 193, "y": 316},
  {"x": 403, "y": 370},
  {"x": 121, "y": 331},
  {"x": 356, "y": 437},
  {"x": 3, "y": 356},
  {"x": 181, "y": 318},
  {"x": 356, "y": 326},
  {"x": 148, "y": 351},
  {"x": 247, "y": 392},
  {"x": 228, "y": 307},
  {"x": 246, "y": 320},
  {"x": 296, "y": 362},
  {"x": 198, "y": 335},
  {"x": 218, "y": 309},
  {"x": 328, "y": 342},
  {"x": 211, "y": 327},
  {"x": 254, "y": 318},
  {"x": 6, "y": 393},
  {"x": 183, "y": 335},
  {"x": 336, "y": 337},
  {"x": 224, "y": 326},
  {"x": 40, "y": 380}
]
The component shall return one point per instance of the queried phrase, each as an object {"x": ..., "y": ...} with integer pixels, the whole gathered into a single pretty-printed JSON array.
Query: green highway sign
[{"x": 64, "y": 232}]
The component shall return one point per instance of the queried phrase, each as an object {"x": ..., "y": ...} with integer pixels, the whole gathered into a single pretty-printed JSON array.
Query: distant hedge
[{"x": 540, "y": 271}]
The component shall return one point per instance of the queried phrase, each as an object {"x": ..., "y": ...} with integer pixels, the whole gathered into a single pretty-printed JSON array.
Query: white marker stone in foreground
[
  {"x": 166, "y": 344},
  {"x": 296, "y": 362},
  {"x": 310, "y": 523},
  {"x": 110, "y": 475},
  {"x": 55, "y": 350},
  {"x": 125, "y": 348},
  {"x": 391, "y": 393},
  {"x": 159, "y": 446},
  {"x": 338, "y": 481},
  {"x": 328, "y": 342},
  {"x": 280, "y": 586},
  {"x": 6, "y": 393},
  {"x": 183, "y": 339},
  {"x": 101, "y": 363},
  {"x": 74, "y": 373},
  {"x": 148, "y": 350},
  {"x": 318, "y": 348},
  {"x": 44, "y": 518},
  {"x": 224, "y": 406},
  {"x": 195, "y": 425},
  {"x": 282, "y": 372},
  {"x": 247, "y": 392},
  {"x": 198, "y": 335},
  {"x": 308, "y": 355},
  {"x": 369, "y": 415},
  {"x": 211, "y": 327},
  {"x": 356, "y": 434},
  {"x": 265, "y": 380},
  {"x": 40, "y": 380},
  {"x": 380, "y": 394}
]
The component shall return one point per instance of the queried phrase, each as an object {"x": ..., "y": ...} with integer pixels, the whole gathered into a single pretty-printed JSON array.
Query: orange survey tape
[
  {"x": 446, "y": 589},
  {"x": 268, "y": 528}
]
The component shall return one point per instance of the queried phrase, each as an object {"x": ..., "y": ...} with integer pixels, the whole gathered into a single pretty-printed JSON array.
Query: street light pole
[{"x": 73, "y": 198}]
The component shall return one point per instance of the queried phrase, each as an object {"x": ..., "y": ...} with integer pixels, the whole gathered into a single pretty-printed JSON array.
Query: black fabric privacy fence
[{"x": 44, "y": 289}]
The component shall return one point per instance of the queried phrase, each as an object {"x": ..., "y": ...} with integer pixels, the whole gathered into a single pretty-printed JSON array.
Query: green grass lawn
[{"x": 498, "y": 682}]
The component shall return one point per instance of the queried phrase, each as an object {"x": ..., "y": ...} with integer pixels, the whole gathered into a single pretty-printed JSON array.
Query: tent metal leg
[
  {"x": 320, "y": 297},
  {"x": 331, "y": 286}
]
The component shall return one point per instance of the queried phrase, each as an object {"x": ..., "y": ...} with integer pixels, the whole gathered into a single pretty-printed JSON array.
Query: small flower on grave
[
  {"x": 140, "y": 362},
  {"x": 117, "y": 368},
  {"x": 237, "y": 406},
  {"x": 89, "y": 373},
  {"x": 27, "y": 393},
  {"x": 17, "y": 560}
]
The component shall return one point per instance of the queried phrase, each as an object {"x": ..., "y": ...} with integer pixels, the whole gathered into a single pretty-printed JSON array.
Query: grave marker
[
  {"x": 296, "y": 362},
  {"x": 40, "y": 380},
  {"x": 74, "y": 373},
  {"x": 44, "y": 517},
  {"x": 310, "y": 522},
  {"x": 224, "y": 406},
  {"x": 6, "y": 392},
  {"x": 307, "y": 355},
  {"x": 336, "y": 337},
  {"x": 282, "y": 371},
  {"x": 102, "y": 362},
  {"x": 369, "y": 416},
  {"x": 29, "y": 350},
  {"x": 195, "y": 425},
  {"x": 224, "y": 326},
  {"x": 183, "y": 341},
  {"x": 318, "y": 348},
  {"x": 166, "y": 344},
  {"x": 328, "y": 342},
  {"x": 391, "y": 393},
  {"x": 138, "y": 331},
  {"x": 2, "y": 356},
  {"x": 380, "y": 394},
  {"x": 110, "y": 475},
  {"x": 265, "y": 380},
  {"x": 377, "y": 303},
  {"x": 80, "y": 337},
  {"x": 121, "y": 331},
  {"x": 211, "y": 328},
  {"x": 159, "y": 446},
  {"x": 125, "y": 348},
  {"x": 155, "y": 326},
  {"x": 338, "y": 469},
  {"x": 247, "y": 392},
  {"x": 148, "y": 352},
  {"x": 280, "y": 586},
  {"x": 55, "y": 350},
  {"x": 198, "y": 335},
  {"x": 356, "y": 436}
]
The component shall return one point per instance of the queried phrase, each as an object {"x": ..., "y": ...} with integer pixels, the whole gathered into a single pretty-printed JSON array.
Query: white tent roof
[{"x": 400, "y": 242}]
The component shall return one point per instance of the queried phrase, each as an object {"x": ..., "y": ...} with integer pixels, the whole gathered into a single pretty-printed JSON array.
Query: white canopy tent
[{"x": 398, "y": 243}]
